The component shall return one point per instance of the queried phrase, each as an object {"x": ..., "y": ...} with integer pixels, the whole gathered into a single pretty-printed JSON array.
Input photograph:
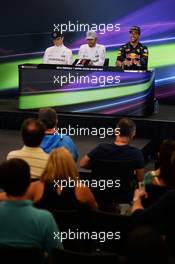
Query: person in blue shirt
[
  {"x": 52, "y": 138},
  {"x": 21, "y": 224}
]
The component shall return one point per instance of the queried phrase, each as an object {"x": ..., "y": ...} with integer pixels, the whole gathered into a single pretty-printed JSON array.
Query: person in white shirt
[
  {"x": 57, "y": 54},
  {"x": 32, "y": 132},
  {"x": 92, "y": 51}
]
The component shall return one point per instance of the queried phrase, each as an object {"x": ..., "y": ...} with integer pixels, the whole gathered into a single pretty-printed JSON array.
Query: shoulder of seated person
[
  {"x": 151, "y": 173},
  {"x": 50, "y": 48},
  {"x": 80, "y": 189},
  {"x": 3, "y": 196},
  {"x": 100, "y": 46},
  {"x": 84, "y": 46},
  {"x": 155, "y": 173}
]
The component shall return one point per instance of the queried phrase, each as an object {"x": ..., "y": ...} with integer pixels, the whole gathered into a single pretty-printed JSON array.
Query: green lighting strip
[{"x": 70, "y": 98}]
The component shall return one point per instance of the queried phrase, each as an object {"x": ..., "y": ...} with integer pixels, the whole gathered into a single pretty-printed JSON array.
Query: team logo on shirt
[{"x": 132, "y": 56}]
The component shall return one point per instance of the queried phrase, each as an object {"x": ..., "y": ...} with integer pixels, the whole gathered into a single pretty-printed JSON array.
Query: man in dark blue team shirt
[
  {"x": 133, "y": 55},
  {"x": 120, "y": 150}
]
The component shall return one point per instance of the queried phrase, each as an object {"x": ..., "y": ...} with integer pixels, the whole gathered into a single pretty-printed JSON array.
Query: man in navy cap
[
  {"x": 133, "y": 55},
  {"x": 57, "y": 54}
]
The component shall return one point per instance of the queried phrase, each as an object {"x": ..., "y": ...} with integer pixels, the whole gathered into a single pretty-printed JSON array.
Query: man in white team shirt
[
  {"x": 57, "y": 54},
  {"x": 92, "y": 51}
]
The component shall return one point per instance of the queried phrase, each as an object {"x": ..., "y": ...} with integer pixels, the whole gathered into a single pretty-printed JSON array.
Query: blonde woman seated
[{"x": 59, "y": 186}]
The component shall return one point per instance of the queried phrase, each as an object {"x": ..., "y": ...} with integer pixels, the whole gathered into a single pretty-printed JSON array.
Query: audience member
[
  {"x": 59, "y": 186},
  {"x": 32, "y": 134},
  {"x": 165, "y": 174},
  {"x": 160, "y": 214},
  {"x": 21, "y": 224},
  {"x": 120, "y": 150},
  {"x": 52, "y": 138}
]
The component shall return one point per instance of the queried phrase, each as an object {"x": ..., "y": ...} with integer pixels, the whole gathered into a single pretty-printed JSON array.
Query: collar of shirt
[
  {"x": 32, "y": 148},
  {"x": 18, "y": 203},
  {"x": 59, "y": 47},
  {"x": 94, "y": 47},
  {"x": 132, "y": 47}
]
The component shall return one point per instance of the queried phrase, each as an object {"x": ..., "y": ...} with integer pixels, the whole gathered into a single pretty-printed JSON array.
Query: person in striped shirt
[{"x": 32, "y": 132}]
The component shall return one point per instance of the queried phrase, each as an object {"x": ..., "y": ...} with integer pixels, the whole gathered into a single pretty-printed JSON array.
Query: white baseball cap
[{"x": 91, "y": 35}]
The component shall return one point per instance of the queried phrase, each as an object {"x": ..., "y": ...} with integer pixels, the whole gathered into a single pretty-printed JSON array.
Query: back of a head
[
  {"x": 167, "y": 162},
  {"x": 48, "y": 116},
  {"x": 145, "y": 245},
  {"x": 32, "y": 132},
  {"x": 166, "y": 149},
  {"x": 14, "y": 177},
  {"x": 60, "y": 165},
  {"x": 127, "y": 127}
]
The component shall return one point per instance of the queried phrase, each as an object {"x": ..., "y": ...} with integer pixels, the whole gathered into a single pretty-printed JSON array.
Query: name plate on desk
[{"x": 95, "y": 90}]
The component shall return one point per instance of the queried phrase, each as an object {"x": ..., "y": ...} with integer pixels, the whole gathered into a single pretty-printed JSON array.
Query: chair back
[
  {"x": 154, "y": 193},
  {"x": 118, "y": 178},
  {"x": 21, "y": 255},
  {"x": 64, "y": 256},
  {"x": 106, "y": 63},
  {"x": 71, "y": 223},
  {"x": 112, "y": 230}
]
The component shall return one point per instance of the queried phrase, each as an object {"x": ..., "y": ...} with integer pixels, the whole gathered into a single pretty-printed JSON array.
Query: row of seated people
[
  {"x": 126, "y": 163},
  {"x": 144, "y": 245},
  {"x": 60, "y": 181},
  {"x": 38, "y": 142},
  {"x": 41, "y": 136},
  {"x": 59, "y": 167},
  {"x": 22, "y": 224}
]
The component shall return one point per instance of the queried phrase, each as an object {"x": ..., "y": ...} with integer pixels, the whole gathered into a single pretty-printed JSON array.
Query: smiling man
[
  {"x": 133, "y": 55},
  {"x": 58, "y": 53},
  {"x": 92, "y": 52}
]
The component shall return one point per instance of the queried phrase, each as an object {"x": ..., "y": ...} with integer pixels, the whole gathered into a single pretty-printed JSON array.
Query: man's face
[
  {"x": 134, "y": 36},
  {"x": 91, "y": 42},
  {"x": 58, "y": 41}
]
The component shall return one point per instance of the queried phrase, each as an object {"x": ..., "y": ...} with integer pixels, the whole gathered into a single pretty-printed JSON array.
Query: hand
[
  {"x": 83, "y": 61},
  {"x": 127, "y": 62},
  {"x": 136, "y": 62},
  {"x": 119, "y": 64},
  {"x": 138, "y": 194},
  {"x": 137, "y": 203},
  {"x": 90, "y": 63}
]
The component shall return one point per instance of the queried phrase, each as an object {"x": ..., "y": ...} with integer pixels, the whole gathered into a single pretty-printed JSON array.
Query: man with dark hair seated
[
  {"x": 32, "y": 132},
  {"x": 52, "y": 138},
  {"x": 120, "y": 150},
  {"x": 21, "y": 224}
]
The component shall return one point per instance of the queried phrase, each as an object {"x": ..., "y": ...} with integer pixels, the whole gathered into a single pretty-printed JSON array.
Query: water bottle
[{"x": 156, "y": 106}]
